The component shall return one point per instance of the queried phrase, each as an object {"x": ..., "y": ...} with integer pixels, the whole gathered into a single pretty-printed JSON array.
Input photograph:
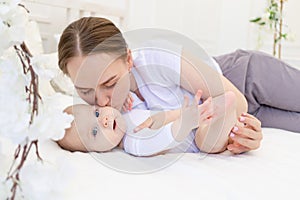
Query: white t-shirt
[{"x": 157, "y": 73}]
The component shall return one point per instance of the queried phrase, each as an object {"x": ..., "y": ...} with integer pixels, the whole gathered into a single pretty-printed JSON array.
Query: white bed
[{"x": 271, "y": 172}]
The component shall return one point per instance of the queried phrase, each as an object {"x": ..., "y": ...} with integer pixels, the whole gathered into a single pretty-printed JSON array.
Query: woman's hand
[
  {"x": 127, "y": 106},
  {"x": 246, "y": 136}
]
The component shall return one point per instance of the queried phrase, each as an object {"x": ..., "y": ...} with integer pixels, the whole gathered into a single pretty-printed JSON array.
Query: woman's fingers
[
  {"x": 250, "y": 121},
  {"x": 246, "y": 142},
  {"x": 247, "y": 132},
  {"x": 247, "y": 137},
  {"x": 237, "y": 149}
]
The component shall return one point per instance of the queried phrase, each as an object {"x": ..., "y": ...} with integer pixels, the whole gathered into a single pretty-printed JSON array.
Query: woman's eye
[
  {"x": 97, "y": 113},
  {"x": 95, "y": 131},
  {"x": 111, "y": 86},
  {"x": 86, "y": 92}
]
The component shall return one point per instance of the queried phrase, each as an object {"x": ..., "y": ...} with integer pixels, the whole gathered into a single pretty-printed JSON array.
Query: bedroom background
[{"x": 219, "y": 26}]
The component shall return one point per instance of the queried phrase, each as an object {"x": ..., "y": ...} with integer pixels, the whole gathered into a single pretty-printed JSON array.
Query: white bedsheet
[{"x": 271, "y": 172}]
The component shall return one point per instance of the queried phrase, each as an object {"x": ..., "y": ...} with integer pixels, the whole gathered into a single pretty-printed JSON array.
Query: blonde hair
[{"x": 90, "y": 35}]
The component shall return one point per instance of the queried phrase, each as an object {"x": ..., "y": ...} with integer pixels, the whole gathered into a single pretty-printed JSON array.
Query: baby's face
[{"x": 94, "y": 129}]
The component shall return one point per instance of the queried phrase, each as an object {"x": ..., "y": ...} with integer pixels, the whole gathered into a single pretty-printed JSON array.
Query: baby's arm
[{"x": 149, "y": 141}]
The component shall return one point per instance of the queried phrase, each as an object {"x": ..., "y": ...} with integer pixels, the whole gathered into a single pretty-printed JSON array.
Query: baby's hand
[
  {"x": 196, "y": 115},
  {"x": 127, "y": 106}
]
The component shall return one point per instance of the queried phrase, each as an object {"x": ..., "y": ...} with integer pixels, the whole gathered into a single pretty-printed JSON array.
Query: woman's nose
[{"x": 102, "y": 99}]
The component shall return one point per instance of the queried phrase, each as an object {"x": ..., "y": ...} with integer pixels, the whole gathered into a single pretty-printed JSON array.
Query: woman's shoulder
[{"x": 157, "y": 55}]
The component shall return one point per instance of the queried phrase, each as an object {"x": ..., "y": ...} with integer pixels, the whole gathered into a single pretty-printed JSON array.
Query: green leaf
[
  {"x": 262, "y": 23},
  {"x": 284, "y": 35},
  {"x": 255, "y": 20}
]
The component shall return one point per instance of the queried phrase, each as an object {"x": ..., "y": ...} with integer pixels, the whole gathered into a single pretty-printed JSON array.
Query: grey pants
[{"x": 271, "y": 87}]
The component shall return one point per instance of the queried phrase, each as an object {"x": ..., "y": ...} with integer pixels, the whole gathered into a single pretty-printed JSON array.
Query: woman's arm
[{"x": 196, "y": 74}]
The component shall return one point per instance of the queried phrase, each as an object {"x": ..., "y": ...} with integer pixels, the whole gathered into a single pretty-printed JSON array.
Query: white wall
[
  {"x": 53, "y": 16},
  {"x": 220, "y": 26}
]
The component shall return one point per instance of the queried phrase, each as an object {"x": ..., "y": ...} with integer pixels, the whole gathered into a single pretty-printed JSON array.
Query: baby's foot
[{"x": 223, "y": 104}]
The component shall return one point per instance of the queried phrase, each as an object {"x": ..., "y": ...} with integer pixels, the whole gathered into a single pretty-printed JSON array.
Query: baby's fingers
[
  {"x": 146, "y": 124},
  {"x": 206, "y": 106},
  {"x": 197, "y": 97},
  {"x": 127, "y": 106},
  {"x": 186, "y": 101}
]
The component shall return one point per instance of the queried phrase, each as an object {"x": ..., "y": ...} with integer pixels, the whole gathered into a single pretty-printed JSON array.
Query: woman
[{"x": 82, "y": 59}]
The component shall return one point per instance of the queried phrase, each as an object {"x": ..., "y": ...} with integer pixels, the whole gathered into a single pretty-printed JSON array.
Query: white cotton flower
[
  {"x": 6, "y": 6},
  {"x": 33, "y": 38},
  {"x": 15, "y": 20},
  {"x": 6, "y": 158},
  {"x": 45, "y": 88},
  {"x": 44, "y": 180},
  {"x": 15, "y": 34},
  {"x": 13, "y": 14},
  {"x": 46, "y": 62},
  {"x": 4, "y": 44},
  {"x": 5, "y": 187},
  {"x": 15, "y": 118},
  {"x": 51, "y": 121},
  {"x": 12, "y": 80}
]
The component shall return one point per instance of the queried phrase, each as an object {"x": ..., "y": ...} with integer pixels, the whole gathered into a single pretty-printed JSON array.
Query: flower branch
[
  {"x": 31, "y": 107},
  {"x": 32, "y": 90}
]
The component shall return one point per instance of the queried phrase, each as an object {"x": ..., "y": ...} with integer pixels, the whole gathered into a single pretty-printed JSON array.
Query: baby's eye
[
  {"x": 95, "y": 131},
  {"x": 97, "y": 113}
]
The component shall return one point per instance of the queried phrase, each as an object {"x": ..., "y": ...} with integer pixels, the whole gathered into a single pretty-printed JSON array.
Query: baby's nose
[{"x": 105, "y": 122}]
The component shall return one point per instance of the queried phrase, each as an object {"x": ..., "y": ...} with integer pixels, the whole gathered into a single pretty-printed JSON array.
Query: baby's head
[{"x": 94, "y": 128}]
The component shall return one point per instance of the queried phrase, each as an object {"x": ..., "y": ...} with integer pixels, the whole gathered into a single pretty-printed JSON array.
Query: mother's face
[{"x": 101, "y": 79}]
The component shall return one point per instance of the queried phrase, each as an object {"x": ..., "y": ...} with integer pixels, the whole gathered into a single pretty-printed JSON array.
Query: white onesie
[{"x": 148, "y": 141}]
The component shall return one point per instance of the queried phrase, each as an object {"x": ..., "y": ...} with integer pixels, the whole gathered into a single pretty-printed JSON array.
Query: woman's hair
[{"x": 89, "y": 35}]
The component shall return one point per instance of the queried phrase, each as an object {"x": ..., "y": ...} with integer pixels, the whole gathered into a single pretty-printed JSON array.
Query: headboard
[{"x": 53, "y": 16}]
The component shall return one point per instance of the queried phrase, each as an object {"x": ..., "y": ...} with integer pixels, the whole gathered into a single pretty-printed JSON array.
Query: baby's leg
[{"x": 213, "y": 138}]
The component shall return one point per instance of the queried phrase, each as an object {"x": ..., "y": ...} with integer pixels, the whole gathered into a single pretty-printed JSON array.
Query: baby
[{"x": 102, "y": 129}]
